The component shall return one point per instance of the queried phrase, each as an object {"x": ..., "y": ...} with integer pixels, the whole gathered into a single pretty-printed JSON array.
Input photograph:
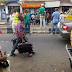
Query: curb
[{"x": 5, "y": 30}]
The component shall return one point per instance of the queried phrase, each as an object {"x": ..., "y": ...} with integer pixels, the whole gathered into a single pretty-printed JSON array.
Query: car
[
  {"x": 65, "y": 29},
  {"x": 68, "y": 15}
]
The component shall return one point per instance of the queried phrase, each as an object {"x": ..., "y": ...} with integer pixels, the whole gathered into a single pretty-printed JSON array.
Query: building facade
[
  {"x": 65, "y": 5},
  {"x": 2, "y": 11},
  {"x": 12, "y": 4}
]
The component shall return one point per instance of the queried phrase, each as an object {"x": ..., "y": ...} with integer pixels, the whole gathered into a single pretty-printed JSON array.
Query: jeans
[
  {"x": 15, "y": 45},
  {"x": 13, "y": 26},
  {"x": 16, "y": 41},
  {"x": 53, "y": 27},
  {"x": 26, "y": 27}
]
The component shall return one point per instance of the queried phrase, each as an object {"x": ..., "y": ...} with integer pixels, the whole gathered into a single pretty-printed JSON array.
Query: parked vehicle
[
  {"x": 65, "y": 29},
  {"x": 68, "y": 15}
]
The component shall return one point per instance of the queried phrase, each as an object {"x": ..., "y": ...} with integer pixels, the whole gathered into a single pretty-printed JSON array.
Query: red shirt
[{"x": 19, "y": 29}]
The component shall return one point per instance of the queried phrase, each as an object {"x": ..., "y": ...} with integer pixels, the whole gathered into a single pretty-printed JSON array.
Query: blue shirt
[{"x": 55, "y": 15}]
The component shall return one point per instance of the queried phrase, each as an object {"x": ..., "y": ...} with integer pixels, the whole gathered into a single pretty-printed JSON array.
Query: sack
[
  {"x": 58, "y": 25},
  {"x": 4, "y": 64}
]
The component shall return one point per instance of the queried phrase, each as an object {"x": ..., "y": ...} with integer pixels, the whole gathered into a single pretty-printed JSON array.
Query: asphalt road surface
[{"x": 51, "y": 55}]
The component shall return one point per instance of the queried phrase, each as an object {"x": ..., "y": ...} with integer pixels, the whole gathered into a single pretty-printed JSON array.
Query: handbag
[{"x": 4, "y": 64}]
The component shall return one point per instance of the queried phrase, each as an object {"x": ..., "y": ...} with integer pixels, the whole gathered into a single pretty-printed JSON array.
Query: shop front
[
  {"x": 11, "y": 5},
  {"x": 31, "y": 7},
  {"x": 2, "y": 11},
  {"x": 50, "y": 6}
]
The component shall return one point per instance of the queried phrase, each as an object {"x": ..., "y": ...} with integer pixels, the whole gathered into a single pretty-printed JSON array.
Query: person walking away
[
  {"x": 11, "y": 19},
  {"x": 19, "y": 34},
  {"x": 15, "y": 20},
  {"x": 27, "y": 21},
  {"x": 55, "y": 20},
  {"x": 42, "y": 16}
]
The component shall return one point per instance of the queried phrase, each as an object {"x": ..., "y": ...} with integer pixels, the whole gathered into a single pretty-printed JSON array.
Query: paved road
[{"x": 51, "y": 55}]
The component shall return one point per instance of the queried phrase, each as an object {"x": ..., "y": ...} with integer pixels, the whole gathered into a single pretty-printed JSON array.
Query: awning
[
  {"x": 31, "y": 5},
  {"x": 66, "y": 4},
  {"x": 52, "y": 4},
  {"x": 8, "y": 1}
]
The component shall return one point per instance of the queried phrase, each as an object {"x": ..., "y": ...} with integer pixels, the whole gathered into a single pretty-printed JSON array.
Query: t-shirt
[
  {"x": 26, "y": 18},
  {"x": 55, "y": 15},
  {"x": 32, "y": 16},
  {"x": 11, "y": 17},
  {"x": 42, "y": 10},
  {"x": 61, "y": 18}
]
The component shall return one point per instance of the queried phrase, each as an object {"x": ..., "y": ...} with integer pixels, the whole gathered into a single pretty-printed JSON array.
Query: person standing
[
  {"x": 42, "y": 16},
  {"x": 55, "y": 20},
  {"x": 15, "y": 20},
  {"x": 11, "y": 19},
  {"x": 7, "y": 19},
  {"x": 61, "y": 18},
  {"x": 27, "y": 21}
]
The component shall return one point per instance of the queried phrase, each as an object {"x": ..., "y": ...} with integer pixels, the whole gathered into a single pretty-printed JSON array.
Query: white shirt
[
  {"x": 61, "y": 18},
  {"x": 11, "y": 17},
  {"x": 32, "y": 16}
]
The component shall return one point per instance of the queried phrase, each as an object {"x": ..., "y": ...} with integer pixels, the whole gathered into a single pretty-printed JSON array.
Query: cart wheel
[{"x": 70, "y": 63}]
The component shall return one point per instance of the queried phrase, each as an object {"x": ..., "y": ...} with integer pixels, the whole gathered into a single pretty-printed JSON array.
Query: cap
[{"x": 42, "y": 4}]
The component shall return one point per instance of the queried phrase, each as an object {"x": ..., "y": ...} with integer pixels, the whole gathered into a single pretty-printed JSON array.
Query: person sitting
[{"x": 33, "y": 18}]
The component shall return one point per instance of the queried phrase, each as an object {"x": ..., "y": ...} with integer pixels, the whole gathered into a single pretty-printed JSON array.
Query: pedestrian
[
  {"x": 19, "y": 34},
  {"x": 11, "y": 19},
  {"x": 7, "y": 19},
  {"x": 15, "y": 20},
  {"x": 61, "y": 18},
  {"x": 55, "y": 20},
  {"x": 33, "y": 18},
  {"x": 42, "y": 16},
  {"x": 48, "y": 17},
  {"x": 27, "y": 21},
  {"x": 2, "y": 59},
  {"x": 37, "y": 18}
]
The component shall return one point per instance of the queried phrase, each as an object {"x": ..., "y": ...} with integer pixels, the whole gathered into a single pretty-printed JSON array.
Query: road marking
[
  {"x": 7, "y": 41},
  {"x": 2, "y": 41}
]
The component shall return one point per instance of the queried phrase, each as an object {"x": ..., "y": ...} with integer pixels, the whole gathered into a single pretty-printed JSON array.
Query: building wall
[
  {"x": 64, "y": 1},
  {"x": 40, "y": 0}
]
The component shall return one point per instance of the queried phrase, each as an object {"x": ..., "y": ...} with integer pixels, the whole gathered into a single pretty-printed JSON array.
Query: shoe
[
  {"x": 30, "y": 55},
  {"x": 55, "y": 33},
  {"x": 13, "y": 33},
  {"x": 51, "y": 34},
  {"x": 29, "y": 33},
  {"x": 33, "y": 52},
  {"x": 13, "y": 54}
]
